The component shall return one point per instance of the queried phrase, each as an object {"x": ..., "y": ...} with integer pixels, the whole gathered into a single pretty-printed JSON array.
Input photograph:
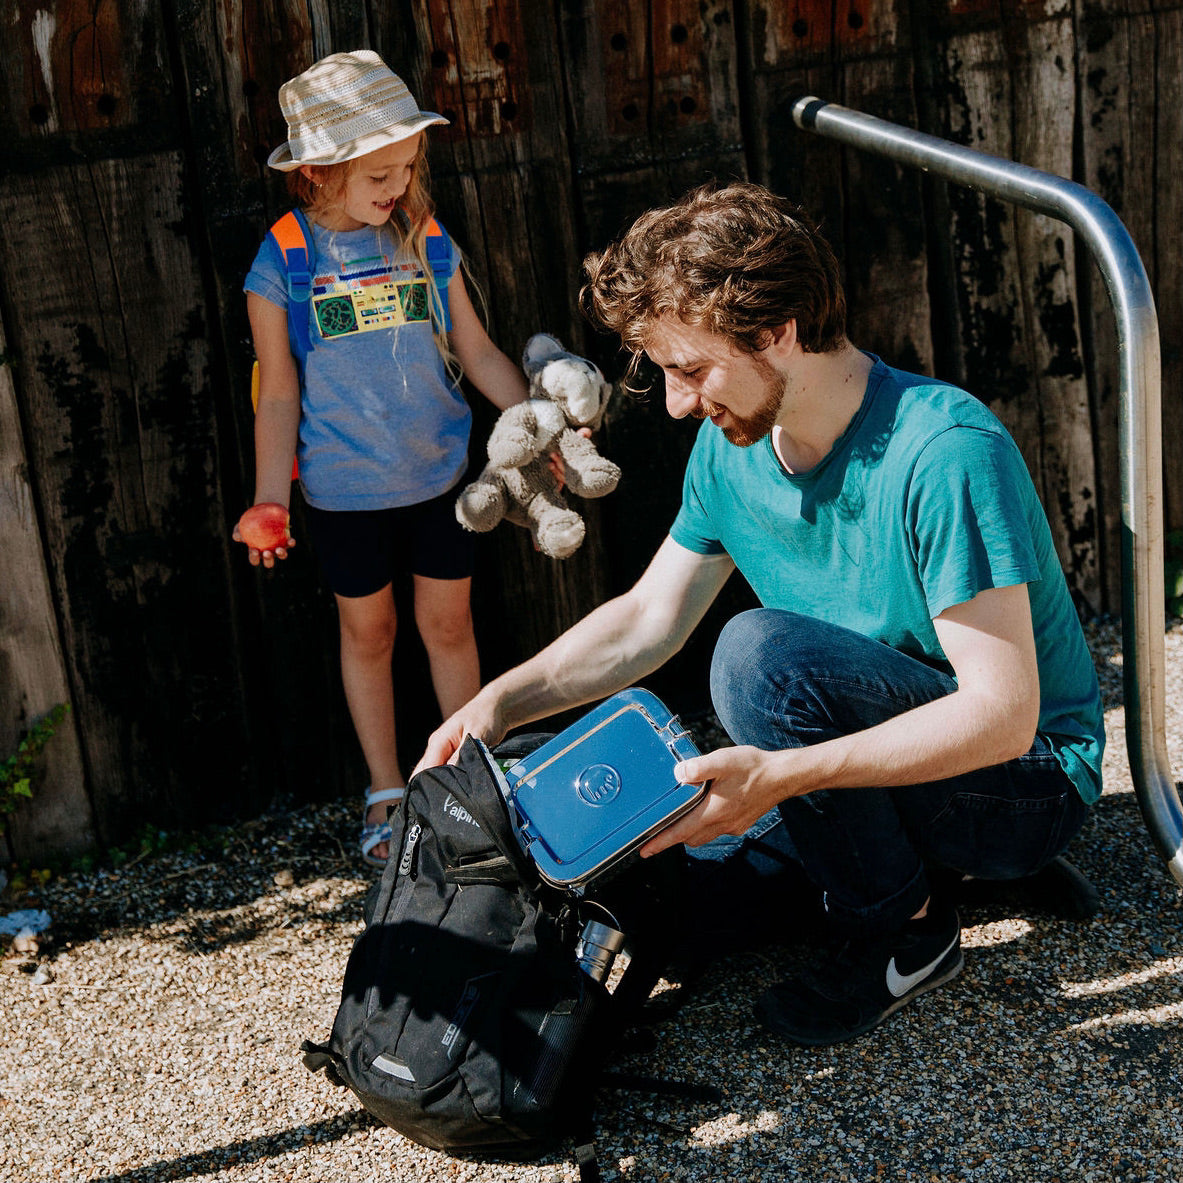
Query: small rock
[
  {"x": 284, "y": 878},
  {"x": 26, "y": 943}
]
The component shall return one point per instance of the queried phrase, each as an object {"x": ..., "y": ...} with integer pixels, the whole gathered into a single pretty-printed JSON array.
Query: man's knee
[
  {"x": 744, "y": 646},
  {"x": 759, "y": 653}
]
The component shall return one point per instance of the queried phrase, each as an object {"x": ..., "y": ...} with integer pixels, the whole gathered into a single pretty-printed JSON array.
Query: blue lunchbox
[{"x": 589, "y": 797}]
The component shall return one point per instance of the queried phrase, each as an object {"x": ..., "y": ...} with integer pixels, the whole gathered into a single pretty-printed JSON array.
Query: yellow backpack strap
[{"x": 255, "y": 405}]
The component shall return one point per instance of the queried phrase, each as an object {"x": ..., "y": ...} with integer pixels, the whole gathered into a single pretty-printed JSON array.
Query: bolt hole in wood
[
  {"x": 250, "y": 88},
  {"x": 630, "y": 111},
  {"x": 679, "y": 34},
  {"x": 439, "y": 58},
  {"x": 619, "y": 42},
  {"x": 39, "y": 114},
  {"x": 800, "y": 27},
  {"x": 501, "y": 51},
  {"x": 855, "y": 20},
  {"x": 106, "y": 104}
]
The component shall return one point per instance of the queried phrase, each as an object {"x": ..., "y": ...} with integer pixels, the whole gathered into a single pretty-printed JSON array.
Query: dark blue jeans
[{"x": 781, "y": 680}]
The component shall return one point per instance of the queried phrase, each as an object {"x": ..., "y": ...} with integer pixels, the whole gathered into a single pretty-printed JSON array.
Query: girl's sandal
[{"x": 375, "y": 833}]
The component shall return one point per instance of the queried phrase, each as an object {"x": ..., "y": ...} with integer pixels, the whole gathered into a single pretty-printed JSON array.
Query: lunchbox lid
[{"x": 595, "y": 792}]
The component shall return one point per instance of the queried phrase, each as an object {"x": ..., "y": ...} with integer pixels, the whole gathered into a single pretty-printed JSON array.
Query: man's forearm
[
  {"x": 947, "y": 737},
  {"x": 606, "y": 651},
  {"x": 619, "y": 642}
]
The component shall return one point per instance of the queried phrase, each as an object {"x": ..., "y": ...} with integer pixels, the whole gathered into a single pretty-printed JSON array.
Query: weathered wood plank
[
  {"x": 870, "y": 209},
  {"x": 109, "y": 336},
  {"x": 1118, "y": 87},
  {"x": 234, "y": 59},
  {"x": 1045, "y": 90},
  {"x": 1158, "y": 54},
  {"x": 1004, "y": 84},
  {"x": 71, "y": 69},
  {"x": 886, "y": 237},
  {"x": 58, "y": 820}
]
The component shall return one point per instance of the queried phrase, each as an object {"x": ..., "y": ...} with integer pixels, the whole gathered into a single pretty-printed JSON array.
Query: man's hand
[
  {"x": 475, "y": 719},
  {"x": 745, "y": 783}
]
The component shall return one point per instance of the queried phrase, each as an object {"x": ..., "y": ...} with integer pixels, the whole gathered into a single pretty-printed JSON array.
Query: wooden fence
[{"x": 133, "y": 194}]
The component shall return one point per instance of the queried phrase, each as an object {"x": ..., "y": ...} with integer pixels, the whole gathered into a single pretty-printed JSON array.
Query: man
[{"x": 915, "y": 693}]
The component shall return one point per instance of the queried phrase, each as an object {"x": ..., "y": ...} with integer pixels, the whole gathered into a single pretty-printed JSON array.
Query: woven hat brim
[{"x": 282, "y": 159}]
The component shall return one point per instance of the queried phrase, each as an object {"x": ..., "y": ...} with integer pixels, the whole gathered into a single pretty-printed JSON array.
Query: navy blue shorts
[{"x": 361, "y": 551}]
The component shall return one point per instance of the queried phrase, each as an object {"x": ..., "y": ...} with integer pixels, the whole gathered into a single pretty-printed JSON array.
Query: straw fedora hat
[{"x": 344, "y": 106}]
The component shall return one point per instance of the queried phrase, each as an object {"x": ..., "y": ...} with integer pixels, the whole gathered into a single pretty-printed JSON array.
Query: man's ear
[{"x": 783, "y": 338}]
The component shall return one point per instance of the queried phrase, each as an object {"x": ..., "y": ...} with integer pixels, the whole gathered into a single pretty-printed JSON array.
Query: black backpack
[{"x": 466, "y": 1022}]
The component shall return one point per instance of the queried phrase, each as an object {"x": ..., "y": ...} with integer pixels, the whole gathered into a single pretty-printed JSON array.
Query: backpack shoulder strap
[
  {"x": 439, "y": 258},
  {"x": 293, "y": 237}
]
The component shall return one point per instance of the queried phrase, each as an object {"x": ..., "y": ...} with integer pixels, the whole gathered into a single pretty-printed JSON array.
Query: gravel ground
[{"x": 154, "y": 1033}]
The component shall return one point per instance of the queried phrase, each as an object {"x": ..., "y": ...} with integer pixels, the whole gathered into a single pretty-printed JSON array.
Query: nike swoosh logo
[{"x": 899, "y": 984}]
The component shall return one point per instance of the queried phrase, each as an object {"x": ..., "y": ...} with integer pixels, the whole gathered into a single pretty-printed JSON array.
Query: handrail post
[{"x": 1140, "y": 434}]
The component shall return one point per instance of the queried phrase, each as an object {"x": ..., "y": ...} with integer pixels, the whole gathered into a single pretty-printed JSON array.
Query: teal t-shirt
[{"x": 923, "y": 502}]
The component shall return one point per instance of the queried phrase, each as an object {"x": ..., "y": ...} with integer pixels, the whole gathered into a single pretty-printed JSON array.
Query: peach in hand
[{"x": 265, "y": 526}]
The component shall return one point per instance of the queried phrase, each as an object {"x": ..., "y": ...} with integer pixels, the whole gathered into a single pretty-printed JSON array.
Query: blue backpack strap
[
  {"x": 294, "y": 239},
  {"x": 439, "y": 259}
]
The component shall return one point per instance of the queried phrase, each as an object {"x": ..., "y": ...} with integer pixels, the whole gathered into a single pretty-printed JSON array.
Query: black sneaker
[
  {"x": 865, "y": 982},
  {"x": 1059, "y": 889}
]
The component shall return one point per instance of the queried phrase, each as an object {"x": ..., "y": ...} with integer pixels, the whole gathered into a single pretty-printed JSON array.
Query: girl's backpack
[{"x": 466, "y": 1021}]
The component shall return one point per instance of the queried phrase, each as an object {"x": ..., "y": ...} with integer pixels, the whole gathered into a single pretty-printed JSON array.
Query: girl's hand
[
  {"x": 264, "y": 555},
  {"x": 555, "y": 460}
]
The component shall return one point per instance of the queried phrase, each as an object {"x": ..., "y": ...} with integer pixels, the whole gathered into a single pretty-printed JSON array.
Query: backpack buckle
[{"x": 299, "y": 275}]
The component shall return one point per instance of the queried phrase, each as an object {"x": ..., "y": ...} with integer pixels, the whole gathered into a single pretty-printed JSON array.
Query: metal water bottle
[{"x": 597, "y": 948}]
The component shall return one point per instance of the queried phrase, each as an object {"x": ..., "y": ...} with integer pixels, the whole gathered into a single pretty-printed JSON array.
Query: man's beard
[{"x": 745, "y": 432}]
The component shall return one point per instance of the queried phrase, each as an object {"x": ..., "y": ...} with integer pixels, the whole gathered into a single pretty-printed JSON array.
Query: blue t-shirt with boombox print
[
  {"x": 922, "y": 502},
  {"x": 381, "y": 423}
]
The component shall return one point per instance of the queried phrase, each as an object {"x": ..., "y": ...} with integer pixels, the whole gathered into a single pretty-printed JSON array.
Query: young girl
[{"x": 369, "y": 400}]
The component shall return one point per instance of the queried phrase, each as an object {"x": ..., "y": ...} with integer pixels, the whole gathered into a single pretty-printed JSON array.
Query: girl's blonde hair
[{"x": 324, "y": 190}]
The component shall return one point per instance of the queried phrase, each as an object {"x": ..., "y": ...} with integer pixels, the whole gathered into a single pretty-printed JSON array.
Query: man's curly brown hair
[{"x": 739, "y": 261}]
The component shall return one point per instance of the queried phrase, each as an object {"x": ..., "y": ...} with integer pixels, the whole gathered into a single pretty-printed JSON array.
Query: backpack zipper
[{"x": 409, "y": 864}]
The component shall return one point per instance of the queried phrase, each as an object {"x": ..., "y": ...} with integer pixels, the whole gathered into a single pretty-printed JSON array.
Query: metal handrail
[{"x": 1140, "y": 429}]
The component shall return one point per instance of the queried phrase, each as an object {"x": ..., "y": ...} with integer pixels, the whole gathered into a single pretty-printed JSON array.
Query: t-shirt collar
[{"x": 874, "y": 381}]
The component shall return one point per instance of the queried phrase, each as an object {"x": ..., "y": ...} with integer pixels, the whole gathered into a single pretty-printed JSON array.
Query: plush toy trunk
[{"x": 597, "y": 791}]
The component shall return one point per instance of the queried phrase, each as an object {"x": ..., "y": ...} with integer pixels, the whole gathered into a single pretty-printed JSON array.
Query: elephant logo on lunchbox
[{"x": 598, "y": 784}]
